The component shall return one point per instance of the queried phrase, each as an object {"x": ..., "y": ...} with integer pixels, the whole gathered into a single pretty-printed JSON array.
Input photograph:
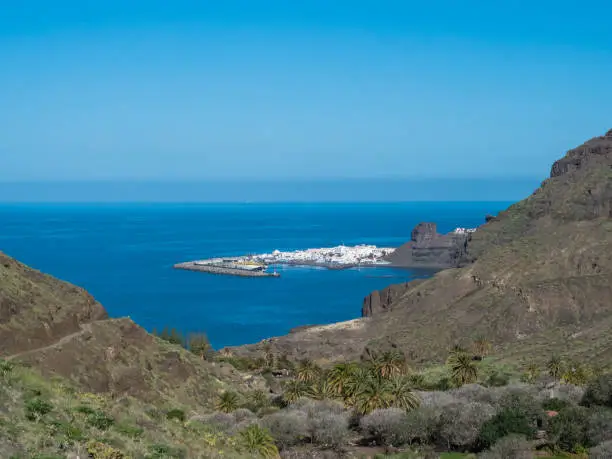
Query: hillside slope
[
  {"x": 540, "y": 278},
  {"x": 61, "y": 330}
]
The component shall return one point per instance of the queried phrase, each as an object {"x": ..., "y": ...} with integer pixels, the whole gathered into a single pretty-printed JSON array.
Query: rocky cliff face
[
  {"x": 428, "y": 249},
  {"x": 538, "y": 281}
]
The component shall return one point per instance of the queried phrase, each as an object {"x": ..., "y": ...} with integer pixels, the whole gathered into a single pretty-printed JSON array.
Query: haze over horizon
[{"x": 200, "y": 91}]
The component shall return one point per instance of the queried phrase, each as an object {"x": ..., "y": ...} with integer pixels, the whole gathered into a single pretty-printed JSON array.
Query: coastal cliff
[
  {"x": 429, "y": 249},
  {"x": 537, "y": 276}
]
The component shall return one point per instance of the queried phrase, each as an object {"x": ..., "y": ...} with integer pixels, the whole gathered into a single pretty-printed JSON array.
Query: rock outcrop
[
  {"x": 537, "y": 280},
  {"x": 428, "y": 249}
]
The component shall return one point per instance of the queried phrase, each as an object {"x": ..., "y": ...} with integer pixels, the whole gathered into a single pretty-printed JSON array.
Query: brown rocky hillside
[
  {"x": 539, "y": 281},
  {"x": 61, "y": 330}
]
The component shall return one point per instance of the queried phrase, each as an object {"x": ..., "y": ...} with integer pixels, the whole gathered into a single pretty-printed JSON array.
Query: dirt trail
[{"x": 85, "y": 328}]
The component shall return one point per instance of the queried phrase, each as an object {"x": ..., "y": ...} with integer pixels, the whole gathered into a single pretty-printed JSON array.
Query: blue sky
[{"x": 158, "y": 90}]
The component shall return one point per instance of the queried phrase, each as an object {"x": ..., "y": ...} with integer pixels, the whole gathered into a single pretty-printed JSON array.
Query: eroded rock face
[
  {"x": 428, "y": 249},
  {"x": 379, "y": 301}
]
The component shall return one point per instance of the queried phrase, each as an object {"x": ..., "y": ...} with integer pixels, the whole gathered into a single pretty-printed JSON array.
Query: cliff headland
[{"x": 537, "y": 276}]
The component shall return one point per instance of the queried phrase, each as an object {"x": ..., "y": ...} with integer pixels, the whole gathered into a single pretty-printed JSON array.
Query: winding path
[{"x": 85, "y": 328}]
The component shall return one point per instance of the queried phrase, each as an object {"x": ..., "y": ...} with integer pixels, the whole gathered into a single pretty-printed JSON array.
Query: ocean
[{"x": 123, "y": 255}]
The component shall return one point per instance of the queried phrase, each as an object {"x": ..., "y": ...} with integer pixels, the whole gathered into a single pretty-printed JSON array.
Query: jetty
[{"x": 228, "y": 267}]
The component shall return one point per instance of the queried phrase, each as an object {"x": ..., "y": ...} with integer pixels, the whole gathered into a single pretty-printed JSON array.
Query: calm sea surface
[{"x": 123, "y": 254}]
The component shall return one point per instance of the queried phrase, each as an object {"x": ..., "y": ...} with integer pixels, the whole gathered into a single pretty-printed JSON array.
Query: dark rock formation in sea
[{"x": 429, "y": 249}]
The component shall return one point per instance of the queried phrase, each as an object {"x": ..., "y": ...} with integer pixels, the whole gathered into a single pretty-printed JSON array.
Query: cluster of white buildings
[
  {"x": 464, "y": 230},
  {"x": 340, "y": 255}
]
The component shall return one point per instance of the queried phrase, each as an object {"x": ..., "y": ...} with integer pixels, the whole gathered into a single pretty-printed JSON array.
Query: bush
[
  {"x": 506, "y": 422},
  {"x": 289, "y": 428},
  {"x": 474, "y": 393},
  {"x": 569, "y": 429},
  {"x": 599, "y": 392},
  {"x": 243, "y": 414},
  {"x": 599, "y": 425},
  {"x": 386, "y": 426},
  {"x": 329, "y": 430},
  {"x": 100, "y": 420},
  {"x": 555, "y": 404},
  {"x": 327, "y": 421},
  {"x": 98, "y": 450},
  {"x": 161, "y": 451},
  {"x": 601, "y": 451},
  {"x": 511, "y": 447},
  {"x": 129, "y": 430},
  {"x": 36, "y": 408},
  {"x": 460, "y": 423},
  {"x": 177, "y": 414},
  {"x": 219, "y": 422},
  {"x": 421, "y": 425}
]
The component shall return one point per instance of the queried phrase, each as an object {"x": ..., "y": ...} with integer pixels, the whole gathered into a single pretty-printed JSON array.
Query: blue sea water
[{"x": 123, "y": 254}]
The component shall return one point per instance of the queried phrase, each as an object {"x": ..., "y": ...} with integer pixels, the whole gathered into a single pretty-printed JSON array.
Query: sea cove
[{"x": 123, "y": 255}]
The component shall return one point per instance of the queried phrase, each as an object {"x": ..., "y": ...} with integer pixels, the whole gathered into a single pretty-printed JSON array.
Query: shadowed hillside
[{"x": 540, "y": 278}]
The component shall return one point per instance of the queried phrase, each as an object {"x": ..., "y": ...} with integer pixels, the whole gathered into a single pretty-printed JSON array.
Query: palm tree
[
  {"x": 307, "y": 371},
  {"x": 295, "y": 389},
  {"x": 463, "y": 369},
  {"x": 400, "y": 391},
  {"x": 322, "y": 390},
  {"x": 555, "y": 366},
  {"x": 257, "y": 441},
  {"x": 576, "y": 374},
  {"x": 228, "y": 402},
  {"x": 340, "y": 375},
  {"x": 532, "y": 372},
  {"x": 357, "y": 380},
  {"x": 258, "y": 399},
  {"x": 199, "y": 345},
  {"x": 373, "y": 394},
  {"x": 482, "y": 347},
  {"x": 390, "y": 363}
]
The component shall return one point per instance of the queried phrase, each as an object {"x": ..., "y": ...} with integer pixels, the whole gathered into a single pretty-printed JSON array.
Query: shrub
[
  {"x": 555, "y": 404},
  {"x": 243, "y": 414},
  {"x": 100, "y": 420},
  {"x": 473, "y": 393},
  {"x": 288, "y": 428},
  {"x": 99, "y": 450},
  {"x": 421, "y": 425},
  {"x": 511, "y": 447},
  {"x": 327, "y": 421},
  {"x": 505, "y": 422},
  {"x": 601, "y": 451},
  {"x": 161, "y": 451},
  {"x": 36, "y": 408},
  {"x": 599, "y": 425},
  {"x": 257, "y": 441},
  {"x": 386, "y": 426},
  {"x": 129, "y": 430},
  {"x": 460, "y": 423},
  {"x": 329, "y": 430},
  {"x": 569, "y": 429},
  {"x": 570, "y": 392},
  {"x": 219, "y": 422},
  {"x": 599, "y": 392},
  {"x": 177, "y": 414}
]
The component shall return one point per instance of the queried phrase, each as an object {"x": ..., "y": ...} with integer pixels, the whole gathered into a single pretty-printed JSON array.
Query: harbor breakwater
[{"x": 212, "y": 269}]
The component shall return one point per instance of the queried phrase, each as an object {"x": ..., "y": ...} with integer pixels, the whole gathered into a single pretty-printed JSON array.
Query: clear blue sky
[{"x": 180, "y": 90}]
